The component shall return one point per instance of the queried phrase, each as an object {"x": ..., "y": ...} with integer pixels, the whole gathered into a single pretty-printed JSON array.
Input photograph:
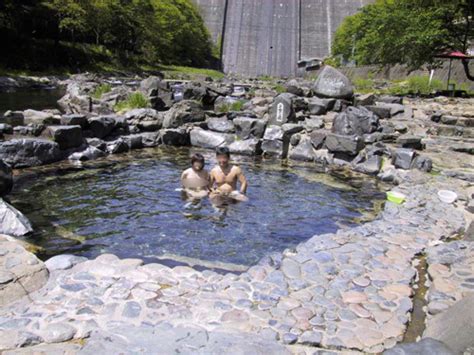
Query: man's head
[
  {"x": 197, "y": 162},
  {"x": 223, "y": 156}
]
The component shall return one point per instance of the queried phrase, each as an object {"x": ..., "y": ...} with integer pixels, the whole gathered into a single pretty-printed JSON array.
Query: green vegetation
[
  {"x": 182, "y": 72},
  {"x": 279, "y": 88},
  {"x": 102, "y": 35},
  {"x": 233, "y": 107},
  {"x": 410, "y": 32},
  {"x": 100, "y": 90},
  {"x": 414, "y": 85},
  {"x": 135, "y": 100}
]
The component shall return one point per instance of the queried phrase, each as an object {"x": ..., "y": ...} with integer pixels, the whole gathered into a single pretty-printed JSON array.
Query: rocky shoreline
[{"x": 350, "y": 291}]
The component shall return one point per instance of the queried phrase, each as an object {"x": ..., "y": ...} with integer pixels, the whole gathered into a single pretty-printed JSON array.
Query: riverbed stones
[
  {"x": 66, "y": 136},
  {"x": 90, "y": 153},
  {"x": 220, "y": 124},
  {"x": 250, "y": 147},
  {"x": 247, "y": 127},
  {"x": 40, "y": 117},
  {"x": 14, "y": 118},
  {"x": 337, "y": 143},
  {"x": 12, "y": 221},
  {"x": 176, "y": 137},
  {"x": 332, "y": 83}
]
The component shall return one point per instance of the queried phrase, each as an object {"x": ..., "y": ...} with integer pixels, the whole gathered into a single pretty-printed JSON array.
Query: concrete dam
[{"x": 269, "y": 37}]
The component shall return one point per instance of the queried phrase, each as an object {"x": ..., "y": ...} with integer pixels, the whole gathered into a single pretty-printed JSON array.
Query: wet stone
[
  {"x": 289, "y": 338},
  {"x": 73, "y": 287}
]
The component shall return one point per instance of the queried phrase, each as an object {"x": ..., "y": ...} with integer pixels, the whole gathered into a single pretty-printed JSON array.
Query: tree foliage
[
  {"x": 156, "y": 31},
  {"x": 410, "y": 32}
]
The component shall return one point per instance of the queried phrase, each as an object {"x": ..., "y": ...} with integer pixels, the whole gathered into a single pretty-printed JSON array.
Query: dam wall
[{"x": 269, "y": 37}]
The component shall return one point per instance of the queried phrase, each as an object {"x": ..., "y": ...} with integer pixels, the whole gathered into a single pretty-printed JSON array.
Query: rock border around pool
[{"x": 347, "y": 290}]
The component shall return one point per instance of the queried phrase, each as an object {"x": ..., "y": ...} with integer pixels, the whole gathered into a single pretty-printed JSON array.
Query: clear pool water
[{"x": 130, "y": 207}]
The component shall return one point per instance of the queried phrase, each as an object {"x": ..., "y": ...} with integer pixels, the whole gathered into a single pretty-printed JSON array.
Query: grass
[
  {"x": 363, "y": 85},
  {"x": 279, "y": 88},
  {"x": 135, "y": 100},
  {"x": 233, "y": 107},
  {"x": 180, "y": 72},
  {"x": 101, "y": 90}
]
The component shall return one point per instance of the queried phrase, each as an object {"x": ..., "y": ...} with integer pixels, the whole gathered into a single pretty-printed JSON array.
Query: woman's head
[{"x": 197, "y": 162}]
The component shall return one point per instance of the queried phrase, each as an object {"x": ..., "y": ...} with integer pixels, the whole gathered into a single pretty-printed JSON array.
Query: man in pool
[
  {"x": 195, "y": 180},
  {"x": 224, "y": 178}
]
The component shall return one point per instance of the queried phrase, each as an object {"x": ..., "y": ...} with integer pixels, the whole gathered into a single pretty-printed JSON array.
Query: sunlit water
[{"x": 131, "y": 208}]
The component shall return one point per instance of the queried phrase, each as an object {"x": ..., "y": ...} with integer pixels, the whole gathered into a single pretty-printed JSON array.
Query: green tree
[{"x": 410, "y": 32}]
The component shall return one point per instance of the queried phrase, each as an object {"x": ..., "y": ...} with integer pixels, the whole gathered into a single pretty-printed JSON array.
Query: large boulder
[
  {"x": 220, "y": 124},
  {"x": 355, "y": 121},
  {"x": 74, "y": 120},
  {"x": 40, "y": 117},
  {"x": 6, "y": 178},
  {"x": 273, "y": 144},
  {"x": 208, "y": 139},
  {"x": 66, "y": 136},
  {"x": 318, "y": 106},
  {"x": 251, "y": 146},
  {"x": 146, "y": 119},
  {"x": 21, "y": 153},
  {"x": 337, "y": 143},
  {"x": 174, "y": 136},
  {"x": 332, "y": 83},
  {"x": 455, "y": 326},
  {"x": 304, "y": 150},
  {"x": 12, "y": 221},
  {"x": 183, "y": 112},
  {"x": 76, "y": 100},
  {"x": 14, "y": 118},
  {"x": 282, "y": 110},
  {"x": 247, "y": 127},
  {"x": 426, "y": 346},
  {"x": 102, "y": 126}
]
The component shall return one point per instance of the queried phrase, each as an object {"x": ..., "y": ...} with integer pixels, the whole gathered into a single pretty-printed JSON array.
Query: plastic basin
[
  {"x": 396, "y": 197},
  {"x": 447, "y": 196}
]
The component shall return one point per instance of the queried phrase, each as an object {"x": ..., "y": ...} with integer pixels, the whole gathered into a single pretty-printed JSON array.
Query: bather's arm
[{"x": 243, "y": 181}]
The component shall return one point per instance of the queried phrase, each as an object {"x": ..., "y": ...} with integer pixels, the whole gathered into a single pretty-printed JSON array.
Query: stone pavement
[{"x": 350, "y": 290}]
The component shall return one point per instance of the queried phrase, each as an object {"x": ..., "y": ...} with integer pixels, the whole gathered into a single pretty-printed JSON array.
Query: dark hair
[
  {"x": 197, "y": 158},
  {"x": 223, "y": 151}
]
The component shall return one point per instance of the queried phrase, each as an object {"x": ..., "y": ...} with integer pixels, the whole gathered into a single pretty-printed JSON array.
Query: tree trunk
[{"x": 465, "y": 64}]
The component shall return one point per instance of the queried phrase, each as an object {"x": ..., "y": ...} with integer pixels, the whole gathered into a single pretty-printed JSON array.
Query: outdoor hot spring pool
[{"x": 129, "y": 206}]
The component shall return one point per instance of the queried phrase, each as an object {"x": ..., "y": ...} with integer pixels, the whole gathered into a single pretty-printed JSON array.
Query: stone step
[{"x": 451, "y": 131}]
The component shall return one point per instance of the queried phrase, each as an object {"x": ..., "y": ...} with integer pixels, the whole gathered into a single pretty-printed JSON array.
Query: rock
[
  {"x": 75, "y": 100},
  {"x": 395, "y": 109},
  {"x": 317, "y": 106},
  {"x": 364, "y": 100},
  {"x": 67, "y": 137},
  {"x": 30, "y": 130},
  {"x": 220, "y": 124},
  {"x": 355, "y": 121},
  {"x": 151, "y": 85},
  {"x": 293, "y": 87},
  {"x": 63, "y": 262},
  {"x": 313, "y": 123},
  {"x": 133, "y": 141},
  {"x": 21, "y": 153},
  {"x": 409, "y": 141},
  {"x": 251, "y": 147},
  {"x": 423, "y": 163},
  {"x": 102, "y": 126},
  {"x": 40, "y": 117},
  {"x": 12, "y": 221},
  {"x": 381, "y": 112},
  {"x": 153, "y": 139},
  {"x": 117, "y": 146},
  {"x": 5, "y": 128},
  {"x": 91, "y": 153},
  {"x": 303, "y": 151},
  {"x": 318, "y": 138},
  {"x": 175, "y": 137},
  {"x": 370, "y": 166},
  {"x": 332, "y": 83},
  {"x": 282, "y": 110},
  {"x": 74, "y": 120},
  {"x": 14, "y": 118},
  {"x": 247, "y": 127},
  {"x": 337, "y": 143},
  {"x": 146, "y": 119},
  {"x": 403, "y": 158},
  {"x": 390, "y": 99},
  {"x": 273, "y": 145},
  {"x": 58, "y": 333},
  {"x": 208, "y": 139},
  {"x": 185, "y": 111},
  {"x": 6, "y": 178},
  {"x": 426, "y": 346}
]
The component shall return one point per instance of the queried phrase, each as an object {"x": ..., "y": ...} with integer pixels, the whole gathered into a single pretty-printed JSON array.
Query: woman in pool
[{"x": 195, "y": 180}]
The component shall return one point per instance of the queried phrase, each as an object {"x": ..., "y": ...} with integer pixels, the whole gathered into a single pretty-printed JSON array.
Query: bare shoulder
[
  {"x": 236, "y": 169},
  {"x": 186, "y": 172}
]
